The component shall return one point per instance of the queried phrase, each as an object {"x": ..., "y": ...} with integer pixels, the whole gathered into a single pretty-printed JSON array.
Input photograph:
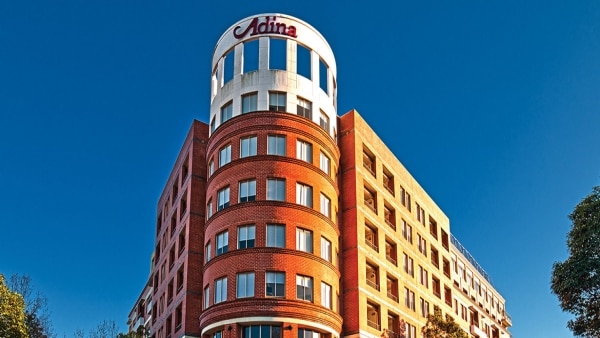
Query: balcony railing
[
  {"x": 392, "y": 296},
  {"x": 470, "y": 258},
  {"x": 391, "y": 259},
  {"x": 373, "y": 324},
  {"x": 373, "y": 284},
  {"x": 372, "y": 245}
]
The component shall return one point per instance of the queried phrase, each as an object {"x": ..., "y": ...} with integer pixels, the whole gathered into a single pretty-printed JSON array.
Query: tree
[
  {"x": 106, "y": 329},
  {"x": 37, "y": 317},
  {"x": 437, "y": 327},
  {"x": 576, "y": 281},
  {"x": 12, "y": 312}
]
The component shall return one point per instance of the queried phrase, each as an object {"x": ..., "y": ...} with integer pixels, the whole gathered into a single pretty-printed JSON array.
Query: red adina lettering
[{"x": 269, "y": 26}]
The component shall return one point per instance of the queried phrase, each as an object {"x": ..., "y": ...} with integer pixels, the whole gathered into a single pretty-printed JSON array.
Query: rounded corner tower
[{"x": 271, "y": 239}]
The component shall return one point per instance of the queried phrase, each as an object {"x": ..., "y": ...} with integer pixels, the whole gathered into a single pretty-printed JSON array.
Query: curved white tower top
[{"x": 273, "y": 62}]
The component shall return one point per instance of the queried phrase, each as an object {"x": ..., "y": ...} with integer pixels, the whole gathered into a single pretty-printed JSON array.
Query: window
[
  {"x": 304, "y": 151},
  {"x": 245, "y": 285},
  {"x": 222, "y": 243},
  {"x": 390, "y": 250},
  {"x": 249, "y": 102},
  {"x": 390, "y": 216},
  {"x": 206, "y": 297},
  {"x": 248, "y": 191},
  {"x": 209, "y": 209},
  {"x": 435, "y": 284},
  {"x": 444, "y": 239},
  {"x": 221, "y": 290},
  {"x": 304, "y": 108},
  {"x": 446, "y": 268},
  {"x": 423, "y": 277},
  {"x": 447, "y": 295},
  {"x": 405, "y": 198},
  {"x": 369, "y": 161},
  {"x": 304, "y": 195},
  {"x": 211, "y": 168},
  {"x": 409, "y": 299},
  {"x": 250, "y": 56},
  {"x": 411, "y": 331},
  {"x": 275, "y": 284},
  {"x": 325, "y": 249},
  {"x": 424, "y": 305},
  {"x": 370, "y": 199},
  {"x": 276, "y": 145},
  {"x": 277, "y": 53},
  {"x": 226, "y": 111},
  {"x": 304, "y": 240},
  {"x": 277, "y": 101},
  {"x": 325, "y": 205},
  {"x": 207, "y": 251},
  {"x": 433, "y": 229},
  {"x": 326, "y": 295},
  {"x": 435, "y": 258},
  {"x": 372, "y": 274},
  {"x": 248, "y": 146},
  {"x": 246, "y": 235},
  {"x": 303, "y": 61},
  {"x": 420, "y": 214},
  {"x": 324, "y": 163},
  {"x": 371, "y": 237},
  {"x": 323, "y": 74},
  {"x": 407, "y": 231},
  {"x": 373, "y": 315},
  {"x": 261, "y": 331},
  {"x": 213, "y": 125},
  {"x": 218, "y": 334},
  {"x": 408, "y": 264},
  {"x": 275, "y": 189},
  {"x": 388, "y": 180},
  {"x": 224, "y": 155},
  {"x": 422, "y": 243},
  {"x": 304, "y": 288},
  {"x": 180, "y": 278},
  {"x": 392, "y": 288},
  {"x": 304, "y": 333},
  {"x": 275, "y": 235},
  {"x": 394, "y": 325},
  {"x": 324, "y": 121},
  {"x": 223, "y": 196}
]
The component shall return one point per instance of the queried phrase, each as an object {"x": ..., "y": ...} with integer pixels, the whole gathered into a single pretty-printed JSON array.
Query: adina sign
[{"x": 269, "y": 25}]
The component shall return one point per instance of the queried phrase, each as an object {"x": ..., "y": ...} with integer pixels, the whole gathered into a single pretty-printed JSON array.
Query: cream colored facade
[{"x": 408, "y": 262}]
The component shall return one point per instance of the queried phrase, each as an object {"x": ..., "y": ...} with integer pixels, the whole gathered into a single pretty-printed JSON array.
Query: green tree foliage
[
  {"x": 12, "y": 312},
  {"x": 37, "y": 317},
  {"x": 438, "y": 327},
  {"x": 576, "y": 281}
]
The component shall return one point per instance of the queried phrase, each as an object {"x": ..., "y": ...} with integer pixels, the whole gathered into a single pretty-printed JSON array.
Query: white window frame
[
  {"x": 276, "y": 145},
  {"x": 247, "y": 192},
  {"x": 223, "y": 198},
  {"x": 326, "y": 299},
  {"x": 304, "y": 151},
  {"x": 246, "y": 236},
  {"x": 275, "y": 236},
  {"x": 224, "y": 155},
  {"x": 276, "y": 280},
  {"x": 325, "y": 163},
  {"x": 222, "y": 243},
  {"x": 245, "y": 285},
  {"x": 304, "y": 195},
  {"x": 248, "y": 146},
  {"x": 325, "y": 203},
  {"x": 249, "y": 102},
  {"x": 220, "y": 290},
  {"x": 304, "y": 288},
  {"x": 226, "y": 111},
  {"x": 326, "y": 249},
  {"x": 276, "y": 189},
  {"x": 304, "y": 240}
]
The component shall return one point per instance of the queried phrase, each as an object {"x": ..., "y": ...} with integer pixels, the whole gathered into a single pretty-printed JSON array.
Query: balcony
[
  {"x": 392, "y": 296},
  {"x": 506, "y": 320},
  {"x": 373, "y": 324},
  {"x": 373, "y": 284},
  {"x": 476, "y": 331}
]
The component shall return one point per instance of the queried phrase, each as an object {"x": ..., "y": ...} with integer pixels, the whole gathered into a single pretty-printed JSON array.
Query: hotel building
[{"x": 282, "y": 219}]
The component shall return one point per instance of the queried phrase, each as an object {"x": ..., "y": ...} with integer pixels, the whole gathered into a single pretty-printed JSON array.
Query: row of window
[
  {"x": 274, "y": 287},
  {"x": 165, "y": 268},
  {"x": 269, "y": 331},
  {"x": 395, "y": 326},
  {"x": 277, "y": 102},
  {"x": 276, "y": 145},
  {"x": 178, "y": 182},
  {"x": 275, "y": 191},
  {"x": 275, "y": 238}
]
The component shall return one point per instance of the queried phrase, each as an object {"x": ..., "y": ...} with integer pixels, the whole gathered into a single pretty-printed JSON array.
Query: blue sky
[{"x": 493, "y": 106}]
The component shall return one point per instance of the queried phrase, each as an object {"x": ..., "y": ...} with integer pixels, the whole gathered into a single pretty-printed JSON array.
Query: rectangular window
[
  {"x": 304, "y": 288},
  {"x": 369, "y": 161},
  {"x": 409, "y": 299},
  {"x": 435, "y": 258},
  {"x": 304, "y": 151},
  {"x": 371, "y": 237},
  {"x": 304, "y": 108},
  {"x": 275, "y": 189},
  {"x": 221, "y": 290},
  {"x": 325, "y": 249},
  {"x": 420, "y": 214},
  {"x": 211, "y": 168},
  {"x": 250, "y": 56},
  {"x": 304, "y": 240},
  {"x": 225, "y": 155},
  {"x": 444, "y": 239},
  {"x": 392, "y": 288},
  {"x": 423, "y": 277},
  {"x": 276, "y": 145},
  {"x": 275, "y": 284},
  {"x": 277, "y": 101},
  {"x": 405, "y": 198},
  {"x": 246, "y": 236},
  {"x": 325, "y": 163},
  {"x": 304, "y": 333},
  {"x": 390, "y": 250},
  {"x": 213, "y": 125},
  {"x": 276, "y": 235},
  {"x": 209, "y": 209},
  {"x": 249, "y": 102},
  {"x": 422, "y": 243},
  {"x": 370, "y": 199},
  {"x": 223, "y": 196},
  {"x": 407, "y": 231},
  {"x": 245, "y": 285},
  {"x": 435, "y": 284},
  {"x": 411, "y": 331},
  {"x": 277, "y": 53},
  {"x": 206, "y": 297},
  {"x": 388, "y": 180},
  {"x": 207, "y": 252},
  {"x": 222, "y": 243},
  {"x": 433, "y": 229},
  {"x": 248, "y": 146},
  {"x": 261, "y": 331},
  {"x": 304, "y": 195},
  {"x": 325, "y": 205},
  {"x": 408, "y": 265},
  {"x": 247, "y": 191},
  {"x": 424, "y": 305},
  {"x": 324, "y": 121},
  {"x": 226, "y": 111},
  {"x": 326, "y": 295},
  {"x": 373, "y": 315}
]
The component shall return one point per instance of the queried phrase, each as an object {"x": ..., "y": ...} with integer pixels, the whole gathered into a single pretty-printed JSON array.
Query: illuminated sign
[{"x": 268, "y": 26}]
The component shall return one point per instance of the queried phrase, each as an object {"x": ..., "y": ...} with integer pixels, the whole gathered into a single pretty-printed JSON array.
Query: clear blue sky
[{"x": 494, "y": 107}]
